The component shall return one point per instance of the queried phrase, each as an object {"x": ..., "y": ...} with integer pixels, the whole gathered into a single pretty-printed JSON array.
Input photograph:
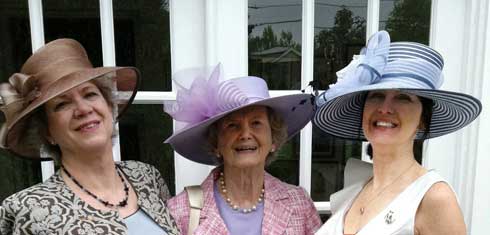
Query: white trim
[
  {"x": 37, "y": 41},
  {"x": 372, "y": 24},
  {"x": 187, "y": 40},
  {"x": 323, "y": 207},
  {"x": 109, "y": 57},
  {"x": 307, "y": 51},
  {"x": 37, "y": 25},
  {"x": 152, "y": 97}
]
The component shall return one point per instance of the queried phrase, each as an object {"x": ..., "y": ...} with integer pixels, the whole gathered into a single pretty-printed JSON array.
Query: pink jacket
[{"x": 287, "y": 209}]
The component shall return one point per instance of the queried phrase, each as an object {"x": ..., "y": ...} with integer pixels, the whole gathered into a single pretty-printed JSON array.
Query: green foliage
[{"x": 410, "y": 21}]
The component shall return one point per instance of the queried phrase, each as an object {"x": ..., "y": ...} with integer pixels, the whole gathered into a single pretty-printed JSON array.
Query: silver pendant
[{"x": 389, "y": 218}]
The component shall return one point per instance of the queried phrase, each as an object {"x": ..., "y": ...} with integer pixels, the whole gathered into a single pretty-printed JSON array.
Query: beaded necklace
[
  {"x": 233, "y": 205},
  {"x": 121, "y": 204}
]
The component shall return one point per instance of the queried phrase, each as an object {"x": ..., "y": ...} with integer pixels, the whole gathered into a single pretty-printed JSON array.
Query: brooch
[{"x": 389, "y": 218}]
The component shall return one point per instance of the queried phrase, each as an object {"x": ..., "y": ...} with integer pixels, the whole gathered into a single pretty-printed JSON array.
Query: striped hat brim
[{"x": 342, "y": 116}]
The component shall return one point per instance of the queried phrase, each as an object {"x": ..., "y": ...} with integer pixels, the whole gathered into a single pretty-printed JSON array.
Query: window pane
[
  {"x": 15, "y": 173},
  {"x": 142, "y": 130},
  {"x": 75, "y": 19},
  {"x": 274, "y": 42},
  {"x": 142, "y": 33},
  {"x": 340, "y": 29},
  {"x": 406, "y": 20},
  {"x": 286, "y": 165}
]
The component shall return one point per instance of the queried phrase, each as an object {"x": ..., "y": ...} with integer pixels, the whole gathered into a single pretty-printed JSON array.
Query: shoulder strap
[{"x": 196, "y": 200}]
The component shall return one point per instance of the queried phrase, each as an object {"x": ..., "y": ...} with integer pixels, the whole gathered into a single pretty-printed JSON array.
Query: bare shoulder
[{"x": 439, "y": 212}]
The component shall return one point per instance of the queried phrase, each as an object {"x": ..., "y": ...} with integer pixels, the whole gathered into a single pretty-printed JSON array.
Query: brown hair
[{"x": 39, "y": 121}]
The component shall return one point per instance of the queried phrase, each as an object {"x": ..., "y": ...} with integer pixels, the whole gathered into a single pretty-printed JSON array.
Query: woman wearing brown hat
[{"x": 60, "y": 107}]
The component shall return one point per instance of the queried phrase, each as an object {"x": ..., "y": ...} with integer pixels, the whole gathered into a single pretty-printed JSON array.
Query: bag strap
[{"x": 196, "y": 201}]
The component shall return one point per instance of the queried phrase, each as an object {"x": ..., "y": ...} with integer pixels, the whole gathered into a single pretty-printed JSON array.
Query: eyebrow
[{"x": 87, "y": 87}]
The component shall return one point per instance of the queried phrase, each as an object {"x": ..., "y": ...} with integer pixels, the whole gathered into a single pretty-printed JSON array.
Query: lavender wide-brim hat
[
  {"x": 405, "y": 66},
  {"x": 208, "y": 100}
]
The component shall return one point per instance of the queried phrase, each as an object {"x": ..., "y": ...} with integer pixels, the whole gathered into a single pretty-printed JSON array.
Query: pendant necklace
[{"x": 362, "y": 209}]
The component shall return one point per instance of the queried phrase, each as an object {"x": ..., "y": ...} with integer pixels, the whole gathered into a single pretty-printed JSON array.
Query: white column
[
  {"x": 109, "y": 57},
  {"x": 187, "y": 40},
  {"x": 37, "y": 41},
  {"x": 307, "y": 57},
  {"x": 460, "y": 32}
]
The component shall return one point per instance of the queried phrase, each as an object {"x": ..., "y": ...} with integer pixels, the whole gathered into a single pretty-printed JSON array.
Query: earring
[{"x": 218, "y": 155}]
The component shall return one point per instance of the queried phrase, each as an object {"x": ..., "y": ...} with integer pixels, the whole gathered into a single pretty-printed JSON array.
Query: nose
[
  {"x": 245, "y": 133},
  {"x": 82, "y": 108},
  {"x": 386, "y": 107}
]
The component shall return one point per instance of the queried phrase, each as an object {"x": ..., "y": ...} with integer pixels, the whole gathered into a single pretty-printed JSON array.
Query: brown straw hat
[{"x": 53, "y": 69}]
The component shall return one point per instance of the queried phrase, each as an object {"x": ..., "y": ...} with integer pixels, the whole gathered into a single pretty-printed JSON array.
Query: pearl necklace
[{"x": 235, "y": 206}]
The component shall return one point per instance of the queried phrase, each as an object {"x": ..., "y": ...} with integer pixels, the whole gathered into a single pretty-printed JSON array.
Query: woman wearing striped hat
[{"x": 389, "y": 95}]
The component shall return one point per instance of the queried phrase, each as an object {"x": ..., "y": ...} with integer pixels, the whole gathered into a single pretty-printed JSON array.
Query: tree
[{"x": 410, "y": 21}]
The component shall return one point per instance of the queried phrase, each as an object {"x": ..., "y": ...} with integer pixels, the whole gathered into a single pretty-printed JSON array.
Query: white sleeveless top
[{"x": 398, "y": 218}]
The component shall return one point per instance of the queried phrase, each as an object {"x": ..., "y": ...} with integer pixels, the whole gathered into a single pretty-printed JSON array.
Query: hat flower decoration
[{"x": 204, "y": 99}]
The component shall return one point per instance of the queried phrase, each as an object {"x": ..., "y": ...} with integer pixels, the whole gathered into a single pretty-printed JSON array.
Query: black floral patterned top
[{"x": 52, "y": 208}]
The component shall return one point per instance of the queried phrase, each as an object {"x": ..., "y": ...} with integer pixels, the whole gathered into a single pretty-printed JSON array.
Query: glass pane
[
  {"x": 286, "y": 165},
  {"x": 406, "y": 20},
  {"x": 78, "y": 20},
  {"x": 142, "y": 130},
  {"x": 340, "y": 29},
  {"x": 15, "y": 173},
  {"x": 274, "y": 42},
  {"x": 142, "y": 34}
]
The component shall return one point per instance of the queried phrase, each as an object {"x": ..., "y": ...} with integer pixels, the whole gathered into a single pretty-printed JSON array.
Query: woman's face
[
  {"x": 80, "y": 119},
  {"x": 244, "y": 137},
  {"x": 391, "y": 117}
]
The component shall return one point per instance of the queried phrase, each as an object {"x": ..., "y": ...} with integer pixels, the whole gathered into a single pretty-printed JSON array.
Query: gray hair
[{"x": 279, "y": 132}]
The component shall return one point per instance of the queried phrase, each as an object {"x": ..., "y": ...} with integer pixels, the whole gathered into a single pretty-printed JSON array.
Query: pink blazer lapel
[
  {"x": 210, "y": 221},
  {"x": 276, "y": 212}
]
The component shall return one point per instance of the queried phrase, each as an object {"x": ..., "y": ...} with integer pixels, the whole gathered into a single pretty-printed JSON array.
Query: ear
[{"x": 421, "y": 125}]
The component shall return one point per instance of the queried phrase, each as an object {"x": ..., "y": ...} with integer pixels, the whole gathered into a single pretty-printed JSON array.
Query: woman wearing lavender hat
[
  {"x": 390, "y": 96},
  {"x": 236, "y": 125}
]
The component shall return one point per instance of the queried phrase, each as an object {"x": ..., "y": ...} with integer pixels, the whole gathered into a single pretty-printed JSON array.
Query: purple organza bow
[
  {"x": 364, "y": 69},
  {"x": 204, "y": 98},
  {"x": 197, "y": 103}
]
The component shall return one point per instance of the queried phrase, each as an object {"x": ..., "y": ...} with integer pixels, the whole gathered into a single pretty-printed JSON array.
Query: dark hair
[
  {"x": 279, "y": 132},
  {"x": 425, "y": 118}
]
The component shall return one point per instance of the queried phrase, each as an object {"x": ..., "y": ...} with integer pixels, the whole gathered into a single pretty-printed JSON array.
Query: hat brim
[
  {"x": 126, "y": 78},
  {"x": 191, "y": 142},
  {"x": 342, "y": 116}
]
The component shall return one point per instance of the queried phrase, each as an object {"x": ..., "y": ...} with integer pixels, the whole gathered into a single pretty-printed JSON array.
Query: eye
[
  {"x": 231, "y": 125},
  {"x": 60, "y": 105},
  {"x": 257, "y": 123},
  {"x": 91, "y": 94},
  {"x": 404, "y": 97},
  {"x": 375, "y": 96}
]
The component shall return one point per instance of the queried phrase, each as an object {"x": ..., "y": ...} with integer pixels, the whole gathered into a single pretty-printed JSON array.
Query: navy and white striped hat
[{"x": 406, "y": 66}]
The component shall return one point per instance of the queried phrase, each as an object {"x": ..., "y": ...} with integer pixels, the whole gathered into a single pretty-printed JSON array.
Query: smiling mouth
[
  {"x": 246, "y": 149},
  {"x": 385, "y": 124},
  {"x": 88, "y": 126}
]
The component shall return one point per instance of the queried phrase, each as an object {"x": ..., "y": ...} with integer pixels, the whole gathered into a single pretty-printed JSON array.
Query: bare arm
[{"x": 439, "y": 213}]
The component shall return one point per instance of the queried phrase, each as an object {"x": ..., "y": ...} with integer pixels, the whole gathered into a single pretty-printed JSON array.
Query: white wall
[{"x": 460, "y": 31}]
